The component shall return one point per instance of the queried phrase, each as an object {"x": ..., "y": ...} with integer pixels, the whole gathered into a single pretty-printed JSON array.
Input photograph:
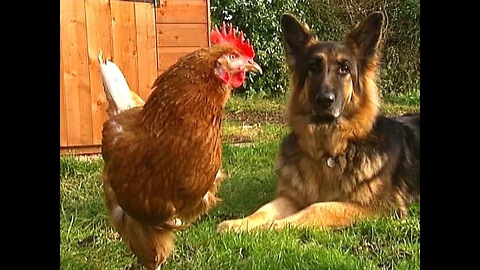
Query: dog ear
[
  {"x": 295, "y": 36},
  {"x": 364, "y": 39}
]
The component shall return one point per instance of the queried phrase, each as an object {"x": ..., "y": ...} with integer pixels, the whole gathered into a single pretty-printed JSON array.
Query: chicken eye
[{"x": 232, "y": 56}]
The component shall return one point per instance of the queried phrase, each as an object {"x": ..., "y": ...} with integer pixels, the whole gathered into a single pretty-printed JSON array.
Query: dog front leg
[
  {"x": 265, "y": 215},
  {"x": 325, "y": 215}
]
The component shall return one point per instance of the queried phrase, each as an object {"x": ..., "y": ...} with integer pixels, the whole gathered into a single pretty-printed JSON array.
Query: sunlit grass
[{"x": 88, "y": 241}]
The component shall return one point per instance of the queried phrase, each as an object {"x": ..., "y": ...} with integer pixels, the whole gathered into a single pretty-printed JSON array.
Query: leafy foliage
[
  {"x": 330, "y": 19},
  {"x": 260, "y": 21}
]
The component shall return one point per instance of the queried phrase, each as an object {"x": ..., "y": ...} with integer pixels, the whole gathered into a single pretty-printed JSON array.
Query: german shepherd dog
[{"x": 342, "y": 161}]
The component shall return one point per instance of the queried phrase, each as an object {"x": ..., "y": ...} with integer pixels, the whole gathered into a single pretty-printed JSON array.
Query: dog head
[{"x": 327, "y": 77}]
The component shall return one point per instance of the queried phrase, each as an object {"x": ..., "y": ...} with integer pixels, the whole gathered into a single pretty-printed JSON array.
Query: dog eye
[
  {"x": 316, "y": 66},
  {"x": 344, "y": 69}
]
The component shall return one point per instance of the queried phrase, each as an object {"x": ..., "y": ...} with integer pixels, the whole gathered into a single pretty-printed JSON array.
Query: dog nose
[{"x": 325, "y": 100}]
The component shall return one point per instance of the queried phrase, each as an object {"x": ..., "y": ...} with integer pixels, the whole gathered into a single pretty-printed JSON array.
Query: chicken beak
[{"x": 253, "y": 67}]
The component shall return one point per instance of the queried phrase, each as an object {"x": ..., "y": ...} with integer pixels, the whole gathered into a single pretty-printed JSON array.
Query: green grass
[
  {"x": 401, "y": 103},
  {"x": 242, "y": 102},
  {"x": 88, "y": 241},
  {"x": 392, "y": 103}
]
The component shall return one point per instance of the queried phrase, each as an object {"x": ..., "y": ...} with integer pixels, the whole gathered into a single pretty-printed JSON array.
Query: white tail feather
[{"x": 116, "y": 88}]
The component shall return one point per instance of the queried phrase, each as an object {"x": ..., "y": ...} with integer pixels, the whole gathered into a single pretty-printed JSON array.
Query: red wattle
[{"x": 237, "y": 79}]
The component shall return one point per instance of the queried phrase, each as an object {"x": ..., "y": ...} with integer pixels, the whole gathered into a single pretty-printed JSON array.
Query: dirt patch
[
  {"x": 251, "y": 118},
  {"x": 238, "y": 139},
  {"x": 256, "y": 117},
  {"x": 248, "y": 125}
]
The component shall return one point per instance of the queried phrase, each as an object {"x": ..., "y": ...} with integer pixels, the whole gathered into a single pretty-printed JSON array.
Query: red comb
[{"x": 218, "y": 38}]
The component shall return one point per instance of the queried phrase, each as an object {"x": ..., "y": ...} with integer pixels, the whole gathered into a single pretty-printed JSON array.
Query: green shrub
[
  {"x": 260, "y": 21},
  {"x": 330, "y": 19}
]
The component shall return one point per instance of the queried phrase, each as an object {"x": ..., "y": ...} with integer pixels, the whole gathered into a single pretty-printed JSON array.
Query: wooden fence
[{"x": 143, "y": 37}]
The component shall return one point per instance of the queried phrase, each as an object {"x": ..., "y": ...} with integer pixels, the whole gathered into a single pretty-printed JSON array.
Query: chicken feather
[{"x": 162, "y": 158}]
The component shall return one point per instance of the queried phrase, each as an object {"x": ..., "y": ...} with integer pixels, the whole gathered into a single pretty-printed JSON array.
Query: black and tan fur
[{"x": 342, "y": 161}]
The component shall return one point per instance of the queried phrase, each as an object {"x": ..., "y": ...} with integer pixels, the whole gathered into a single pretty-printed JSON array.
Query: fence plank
[
  {"x": 80, "y": 150},
  {"x": 63, "y": 109},
  {"x": 182, "y": 35},
  {"x": 127, "y": 33},
  {"x": 167, "y": 56},
  {"x": 168, "y": 2},
  {"x": 98, "y": 18},
  {"x": 146, "y": 47},
  {"x": 182, "y": 12},
  {"x": 125, "y": 40},
  {"x": 76, "y": 79},
  {"x": 209, "y": 22}
]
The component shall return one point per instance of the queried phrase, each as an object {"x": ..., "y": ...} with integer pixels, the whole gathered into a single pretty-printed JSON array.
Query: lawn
[{"x": 252, "y": 130}]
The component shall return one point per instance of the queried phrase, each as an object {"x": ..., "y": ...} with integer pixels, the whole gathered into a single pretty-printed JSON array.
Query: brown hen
[{"x": 162, "y": 159}]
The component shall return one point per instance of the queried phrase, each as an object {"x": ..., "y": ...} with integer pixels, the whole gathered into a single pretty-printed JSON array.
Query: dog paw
[
  {"x": 234, "y": 225},
  {"x": 274, "y": 226}
]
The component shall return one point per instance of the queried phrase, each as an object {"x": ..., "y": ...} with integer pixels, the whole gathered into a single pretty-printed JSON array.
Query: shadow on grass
[{"x": 241, "y": 196}]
